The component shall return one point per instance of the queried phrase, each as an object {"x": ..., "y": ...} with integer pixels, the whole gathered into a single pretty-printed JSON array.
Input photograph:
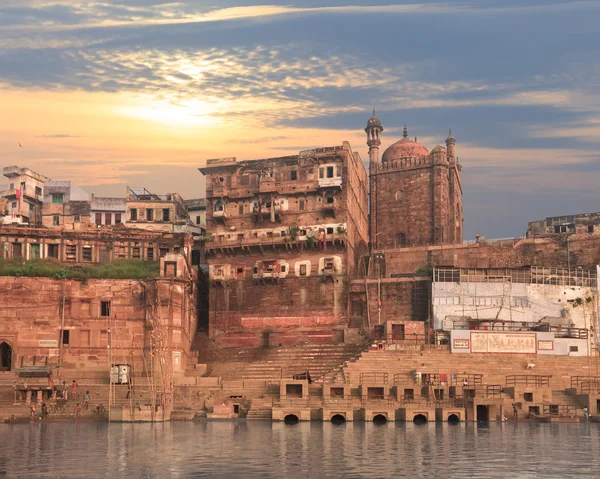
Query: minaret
[
  {"x": 450, "y": 144},
  {"x": 373, "y": 131}
]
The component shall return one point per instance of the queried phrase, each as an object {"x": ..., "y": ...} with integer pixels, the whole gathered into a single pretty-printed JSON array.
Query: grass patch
[{"x": 118, "y": 269}]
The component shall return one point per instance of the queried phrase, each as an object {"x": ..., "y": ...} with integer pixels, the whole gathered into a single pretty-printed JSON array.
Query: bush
[{"x": 118, "y": 269}]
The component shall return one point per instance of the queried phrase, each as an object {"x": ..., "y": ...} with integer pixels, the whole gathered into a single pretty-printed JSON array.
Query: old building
[
  {"x": 284, "y": 236},
  {"x": 108, "y": 211},
  {"x": 197, "y": 211},
  {"x": 25, "y": 195},
  {"x": 65, "y": 205},
  {"x": 153, "y": 212},
  {"x": 91, "y": 245},
  {"x": 581, "y": 223},
  {"x": 415, "y": 195}
]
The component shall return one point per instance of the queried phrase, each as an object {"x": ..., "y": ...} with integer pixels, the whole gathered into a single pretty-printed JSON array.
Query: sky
[{"x": 112, "y": 94}]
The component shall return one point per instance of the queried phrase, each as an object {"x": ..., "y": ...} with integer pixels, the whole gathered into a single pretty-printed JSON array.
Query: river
[{"x": 240, "y": 449}]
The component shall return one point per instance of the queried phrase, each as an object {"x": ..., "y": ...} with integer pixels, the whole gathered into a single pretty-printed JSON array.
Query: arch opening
[
  {"x": 338, "y": 419},
  {"x": 6, "y": 353},
  {"x": 290, "y": 419},
  {"x": 379, "y": 419},
  {"x": 420, "y": 419},
  {"x": 453, "y": 419}
]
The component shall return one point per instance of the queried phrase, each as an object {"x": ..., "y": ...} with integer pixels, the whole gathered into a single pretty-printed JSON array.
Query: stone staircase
[
  {"x": 494, "y": 367},
  {"x": 261, "y": 408},
  {"x": 563, "y": 398}
]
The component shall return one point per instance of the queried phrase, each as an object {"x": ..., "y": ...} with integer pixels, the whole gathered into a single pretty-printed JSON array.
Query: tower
[
  {"x": 373, "y": 131},
  {"x": 450, "y": 144}
]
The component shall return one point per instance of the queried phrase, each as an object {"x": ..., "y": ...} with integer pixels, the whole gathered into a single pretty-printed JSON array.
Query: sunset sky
[{"x": 108, "y": 95}]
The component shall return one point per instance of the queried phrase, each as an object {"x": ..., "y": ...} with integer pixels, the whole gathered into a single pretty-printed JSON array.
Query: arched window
[
  {"x": 6, "y": 354},
  {"x": 400, "y": 240},
  {"x": 398, "y": 195}
]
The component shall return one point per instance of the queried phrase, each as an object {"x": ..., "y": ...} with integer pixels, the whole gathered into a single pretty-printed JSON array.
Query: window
[
  {"x": 31, "y": 208},
  {"x": 38, "y": 191},
  {"x": 105, "y": 308},
  {"x": 55, "y": 220},
  {"x": 85, "y": 308},
  {"x": 98, "y": 219},
  {"x": 283, "y": 268},
  {"x": 11, "y": 186},
  {"x": 35, "y": 251},
  {"x": 14, "y": 205},
  {"x": 590, "y": 228},
  {"x": 302, "y": 270},
  {"x": 65, "y": 337},
  {"x": 84, "y": 337},
  {"x": 108, "y": 218},
  {"x": 311, "y": 171},
  {"x": 170, "y": 269},
  {"x": 150, "y": 254},
  {"x": 117, "y": 218},
  {"x": 357, "y": 308},
  {"x": 528, "y": 397},
  {"x": 86, "y": 253},
  {"x": 239, "y": 273},
  {"x": 301, "y": 205},
  {"x": 76, "y": 218},
  {"x": 57, "y": 198},
  {"x": 133, "y": 214},
  {"x": 244, "y": 180},
  {"x": 71, "y": 252},
  {"x": 330, "y": 230},
  {"x": 166, "y": 214},
  {"x": 293, "y": 175},
  {"x": 149, "y": 214},
  {"x": 197, "y": 220},
  {"x": 135, "y": 253},
  {"x": 53, "y": 251},
  {"x": 321, "y": 172},
  {"x": 573, "y": 349},
  {"x": 329, "y": 198},
  {"x": 330, "y": 172},
  {"x": 17, "y": 249},
  {"x": 241, "y": 209},
  {"x": 163, "y": 252}
]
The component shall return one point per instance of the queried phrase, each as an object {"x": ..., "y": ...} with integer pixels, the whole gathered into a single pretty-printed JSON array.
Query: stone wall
[{"x": 71, "y": 323}]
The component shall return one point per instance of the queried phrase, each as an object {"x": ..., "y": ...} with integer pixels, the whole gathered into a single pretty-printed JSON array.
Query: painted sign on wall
[{"x": 491, "y": 342}]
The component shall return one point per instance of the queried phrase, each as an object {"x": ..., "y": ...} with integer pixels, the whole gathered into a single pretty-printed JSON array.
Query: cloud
[{"x": 57, "y": 136}]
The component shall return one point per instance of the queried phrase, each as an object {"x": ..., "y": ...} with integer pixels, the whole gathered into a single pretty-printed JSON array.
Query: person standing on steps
[
  {"x": 86, "y": 400},
  {"x": 74, "y": 389},
  {"x": 515, "y": 411},
  {"x": 585, "y": 414}
]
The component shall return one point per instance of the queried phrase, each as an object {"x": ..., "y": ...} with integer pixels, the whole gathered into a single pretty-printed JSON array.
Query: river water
[{"x": 240, "y": 449}]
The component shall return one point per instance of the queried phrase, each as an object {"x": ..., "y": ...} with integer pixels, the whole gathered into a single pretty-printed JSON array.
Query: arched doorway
[
  {"x": 420, "y": 419},
  {"x": 453, "y": 419},
  {"x": 338, "y": 419},
  {"x": 291, "y": 419},
  {"x": 5, "y": 356},
  {"x": 379, "y": 419}
]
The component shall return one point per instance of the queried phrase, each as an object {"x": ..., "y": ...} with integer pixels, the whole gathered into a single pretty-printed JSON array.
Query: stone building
[
  {"x": 89, "y": 246},
  {"x": 580, "y": 223},
  {"x": 284, "y": 236},
  {"x": 24, "y": 195},
  {"x": 197, "y": 211},
  {"x": 108, "y": 211},
  {"x": 68, "y": 325},
  {"x": 153, "y": 212},
  {"x": 415, "y": 195},
  {"x": 65, "y": 205}
]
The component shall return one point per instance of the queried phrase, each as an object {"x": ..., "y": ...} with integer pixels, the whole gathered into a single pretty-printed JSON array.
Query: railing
[
  {"x": 409, "y": 339},
  {"x": 377, "y": 401},
  {"x": 528, "y": 381},
  {"x": 560, "y": 410},
  {"x": 373, "y": 377},
  {"x": 586, "y": 384}
]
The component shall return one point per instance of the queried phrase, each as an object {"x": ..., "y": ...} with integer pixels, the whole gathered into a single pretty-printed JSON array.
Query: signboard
[
  {"x": 48, "y": 343},
  {"x": 489, "y": 342},
  {"x": 546, "y": 345},
  {"x": 461, "y": 344}
]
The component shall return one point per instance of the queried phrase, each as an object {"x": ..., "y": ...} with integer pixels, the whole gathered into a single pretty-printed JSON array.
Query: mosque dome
[{"x": 405, "y": 148}]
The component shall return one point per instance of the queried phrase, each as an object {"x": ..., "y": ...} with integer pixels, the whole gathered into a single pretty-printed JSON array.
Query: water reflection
[{"x": 304, "y": 450}]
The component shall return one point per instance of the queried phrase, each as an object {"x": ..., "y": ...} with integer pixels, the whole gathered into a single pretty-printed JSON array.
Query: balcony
[
  {"x": 220, "y": 214},
  {"x": 267, "y": 185},
  {"x": 220, "y": 189},
  {"x": 335, "y": 182},
  {"x": 28, "y": 191}
]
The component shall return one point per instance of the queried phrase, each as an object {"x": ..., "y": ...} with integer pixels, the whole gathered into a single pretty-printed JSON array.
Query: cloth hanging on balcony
[{"x": 18, "y": 193}]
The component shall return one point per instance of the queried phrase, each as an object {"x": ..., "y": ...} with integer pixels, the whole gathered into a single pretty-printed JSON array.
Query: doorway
[
  {"x": 5, "y": 356},
  {"x": 483, "y": 413},
  {"x": 398, "y": 332}
]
